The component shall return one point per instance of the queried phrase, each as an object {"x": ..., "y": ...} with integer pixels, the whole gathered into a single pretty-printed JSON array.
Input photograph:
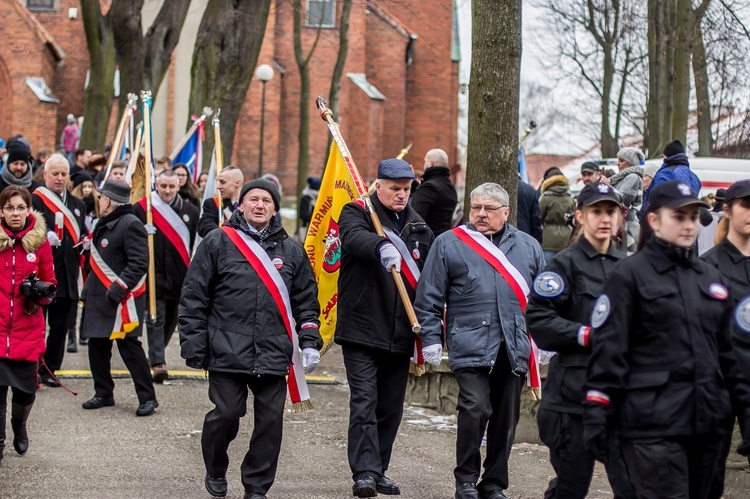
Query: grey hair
[
  {"x": 115, "y": 204},
  {"x": 56, "y": 158},
  {"x": 491, "y": 190}
]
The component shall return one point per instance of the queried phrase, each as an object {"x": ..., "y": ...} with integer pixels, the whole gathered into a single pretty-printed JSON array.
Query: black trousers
[
  {"x": 673, "y": 468},
  {"x": 58, "y": 315},
  {"x": 160, "y": 332},
  {"x": 377, "y": 384},
  {"x": 20, "y": 397},
  {"x": 131, "y": 351},
  {"x": 228, "y": 392},
  {"x": 563, "y": 434},
  {"x": 487, "y": 399},
  {"x": 72, "y": 319}
]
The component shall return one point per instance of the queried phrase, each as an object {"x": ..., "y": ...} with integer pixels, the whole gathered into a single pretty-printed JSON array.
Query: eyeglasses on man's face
[{"x": 487, "y": 208}]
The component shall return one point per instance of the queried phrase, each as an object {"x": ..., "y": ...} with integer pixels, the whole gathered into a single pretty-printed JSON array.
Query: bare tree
[{"x": 492, "y": 154}]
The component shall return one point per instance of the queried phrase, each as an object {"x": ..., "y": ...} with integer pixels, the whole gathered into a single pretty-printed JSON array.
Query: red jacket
[{"x": 20, "y": 255}]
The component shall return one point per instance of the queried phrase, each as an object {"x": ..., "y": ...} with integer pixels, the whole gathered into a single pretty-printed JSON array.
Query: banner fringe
[
  {"x": 303, "y": 406},
  {"x": 417, "y": 369}
]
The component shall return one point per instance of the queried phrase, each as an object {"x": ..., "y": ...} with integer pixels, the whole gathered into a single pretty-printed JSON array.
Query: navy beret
[{"x": 394, "y": 169}]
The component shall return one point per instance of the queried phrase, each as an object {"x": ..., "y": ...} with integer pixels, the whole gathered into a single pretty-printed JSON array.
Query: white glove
[
  {"x": 86, "y": 243},
  {"x": 150, "y": 229},
  {"x": 310, "y": 359},
  {"x": 390, "y": 257},
  {"x": 53, "y": 239},
  {"x": 433, "y": 354}
]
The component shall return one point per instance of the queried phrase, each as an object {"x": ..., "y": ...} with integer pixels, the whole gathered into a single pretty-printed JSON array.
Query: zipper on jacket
[{"x": 12, "y": 294}]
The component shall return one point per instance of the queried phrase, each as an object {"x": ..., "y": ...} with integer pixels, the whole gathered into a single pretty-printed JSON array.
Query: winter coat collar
[
  {"x": 592, "y": 252},
  {"x": 560, "y": 182},
  {"x": 275, "y": 229},
  {"x": 408, "y": 213},
  {"x": 664, "y": 256},
  {"x": 110, "y": 220},
  {"x": 32, "y": 236},
  {"x": 436, "y": 172},
  {"x": 680, "y": 159}
]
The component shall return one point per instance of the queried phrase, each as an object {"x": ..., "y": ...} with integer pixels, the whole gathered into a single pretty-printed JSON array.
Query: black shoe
[
  {"x": 217, "y": 487},
  {"x": 386, "y": 487},
  {"x": 98, "y": 403},
  {"x": 466, "y": 490},
  {"x": 253, "y": 495},
  {"x": 72, "y": 346},
  {"x": 494, "y": 494},
  {"x": 365, "y": 487},
  {"x": 18, "y": 416},
  {"x": 147, "y": 408},
  {"x": 83, "y": 341},
  {"x": 49, "y": 381}
]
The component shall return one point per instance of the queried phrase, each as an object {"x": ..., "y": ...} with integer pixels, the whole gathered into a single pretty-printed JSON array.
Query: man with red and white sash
[
  {"x": 482, "y": 271},
  {"x": 114, "y": 298},
  {"x": 175, "y": 222},
  {"x": 249, "y": 304},
  {"x": 68, "y": 238}
]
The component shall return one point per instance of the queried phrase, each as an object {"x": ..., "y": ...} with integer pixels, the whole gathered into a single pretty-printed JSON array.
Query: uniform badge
[
  {"x": 602, "y": 188},
  {"x": 549, "y": 284},
  {"x": 186, "y": 218},
  {"x": 77, "y": 212},
  {"x": 278, "y": 263},
  {"x": 415, "y": 253},
  {"x": 30, "y": 257},
  {"x": 742, "y": 315},
  {"x": 684, "y": 189},
  {"x": 601, "y": 311},
  {"x": 718, "y": 291},
  {"x": 105, "y": 243}
]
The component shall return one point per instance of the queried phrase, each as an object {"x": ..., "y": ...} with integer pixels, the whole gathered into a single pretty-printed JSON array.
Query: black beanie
[
  {"x": 17, "y": 150},
  {"x": 261, "y": 183},
  {"x": 81, "y": 177},
  {"x": 674, "y": 147}
]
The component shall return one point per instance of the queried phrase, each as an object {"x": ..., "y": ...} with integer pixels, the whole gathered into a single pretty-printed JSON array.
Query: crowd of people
[{"x": 649, "y": 344}]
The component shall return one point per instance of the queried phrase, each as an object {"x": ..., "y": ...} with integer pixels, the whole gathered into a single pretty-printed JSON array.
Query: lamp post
[{"x": 264, "y": 73}]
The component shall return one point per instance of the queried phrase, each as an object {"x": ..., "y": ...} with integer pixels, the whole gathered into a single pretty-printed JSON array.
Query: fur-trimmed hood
[
  {"x": 32, "y": 236},
  {"x": 553, "y": 180}
]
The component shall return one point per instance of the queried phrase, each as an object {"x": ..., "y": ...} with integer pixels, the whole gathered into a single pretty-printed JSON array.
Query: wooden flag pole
[
  {"x": 219, "y": 156},
  {"x": 207, "y": 111},
  {"x": 117, "y": 144},
  {"x": 146, "y": 100}
]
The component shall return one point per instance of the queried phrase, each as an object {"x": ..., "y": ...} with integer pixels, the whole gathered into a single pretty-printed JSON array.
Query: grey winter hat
[
  {"x": 119, "y": 192},
  {"x": 266, "y": 185},
  {"x": 650, "y": 170},
  {"x": 632, "y": 155}
]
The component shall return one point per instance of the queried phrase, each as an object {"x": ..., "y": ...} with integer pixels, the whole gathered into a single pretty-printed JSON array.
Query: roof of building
[{"x": 41, "y": 32}]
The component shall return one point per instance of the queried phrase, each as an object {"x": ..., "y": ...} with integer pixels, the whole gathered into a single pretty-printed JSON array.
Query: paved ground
[{"x": 110, "y": 453}]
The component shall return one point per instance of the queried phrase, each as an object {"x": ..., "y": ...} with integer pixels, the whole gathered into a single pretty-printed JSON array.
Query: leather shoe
[
  {"x": 466, "y": 490},
  {"x": 83, "y": 341},
  {"x": 72, "y": 346},
  {"x": 160, "y": 373},
  {"x": 147, "y": 408},
  {"x": 365, "y": 487},
  {"x": 253, "y": 495},
  {"x": 386, "y": 487},
  {"x": 217, "y": 487},
  {"x": 98, "y": 403},
  {"x": 494, "y": 494},
  {"x": 49, "y": 381}
]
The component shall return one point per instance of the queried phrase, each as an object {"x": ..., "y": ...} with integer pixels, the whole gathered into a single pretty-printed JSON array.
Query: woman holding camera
[{"x": 27, "y": 279}]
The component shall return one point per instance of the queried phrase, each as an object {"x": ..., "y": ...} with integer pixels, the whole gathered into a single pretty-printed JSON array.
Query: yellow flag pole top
[
  {"x": 146, "y": 100},
  {"x": 404, "y": 152},
  {"x": 127, "y": 115}
]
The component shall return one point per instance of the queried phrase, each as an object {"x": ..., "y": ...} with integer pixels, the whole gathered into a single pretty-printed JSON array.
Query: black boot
[
  {"x": 18, "y": 417},
  {"x": 3, "y": 411}
]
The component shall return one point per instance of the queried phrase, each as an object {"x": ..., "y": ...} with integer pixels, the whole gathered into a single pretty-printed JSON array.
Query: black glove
[
  {"x": 116, "y": 293},
  {"x": 195, "y": 363},
  {"x": 595, "y": 434}
]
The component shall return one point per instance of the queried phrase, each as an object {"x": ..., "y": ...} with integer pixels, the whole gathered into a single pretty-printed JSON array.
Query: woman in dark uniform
[
  {"x": 662, "y": 361},
  {"x": 24, "y": 250},
  {"x": 558, "y": 318}
]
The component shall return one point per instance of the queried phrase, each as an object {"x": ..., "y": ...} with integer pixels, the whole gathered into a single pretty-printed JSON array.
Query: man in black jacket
[
  {"x": 175, "y": 221},
  {"x": 247, "y": 344},
  {"x": 18, "y": 169},
  {"x": 372, "y": 326},
  {"x": 436, "y": 199},
  {"x": 528, "y": 215},
  {"x": 228, "y": 183}
]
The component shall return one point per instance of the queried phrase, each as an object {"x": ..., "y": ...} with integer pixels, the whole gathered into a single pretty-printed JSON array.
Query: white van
[{"x": 715, "y": 173}]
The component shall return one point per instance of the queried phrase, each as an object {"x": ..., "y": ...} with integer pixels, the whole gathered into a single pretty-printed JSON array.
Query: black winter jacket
[
  {"x": 528, "y": 216},
  {"x": 560, "y": 304},
  {"x": 435, "y": 199},
  {"x": 210, "y": 215},
  {"x": 734, "y": 265},
  {"x": 370, "y": 312},
  {"x": 229, "y": 322}
]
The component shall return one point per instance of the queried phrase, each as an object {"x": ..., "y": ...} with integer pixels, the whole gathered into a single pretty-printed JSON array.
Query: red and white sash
[
  {"x": 126, "y": 318},
  {"x": 262, "y": 265},
  {"x": 410, "y": 271},
  {"x": 497, "y": 259},
  {"x": 171, "y": 225},
  {"x": 53, "y": 202}
]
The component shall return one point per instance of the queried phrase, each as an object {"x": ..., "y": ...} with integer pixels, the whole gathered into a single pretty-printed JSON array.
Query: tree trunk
[
  {"x": 661, "y": 14},
  {"x": 668, "y": 90},
  {"x": 608, "y": 142},
  {"x": 144, "y": 61},
  {"x": 492, "y": 153},
  {"x": 683, "y": 51},
  {"x": 226, "y": 53},
  {"x": 700, "y": 73},
  {"x": 98, "y": 96}
]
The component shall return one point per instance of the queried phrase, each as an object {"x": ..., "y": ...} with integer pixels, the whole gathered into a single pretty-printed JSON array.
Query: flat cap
[
  {"x": 118, "y": 192},
  {"x": 394, "y": 169}
]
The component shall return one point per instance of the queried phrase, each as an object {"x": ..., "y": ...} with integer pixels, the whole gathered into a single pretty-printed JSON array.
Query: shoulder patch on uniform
[
  {"x": 601, "y": 311},
  {"x": 742, "y": 315},
  {"x": 549, "y": 284},
  {"x": 718, "y": 291}
]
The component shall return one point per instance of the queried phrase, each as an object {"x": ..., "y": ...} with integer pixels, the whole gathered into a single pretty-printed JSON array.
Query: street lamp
[{"x": 264, "y": 73}]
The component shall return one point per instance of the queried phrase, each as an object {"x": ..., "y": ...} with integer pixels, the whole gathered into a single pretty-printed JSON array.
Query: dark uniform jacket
[
  {"x": 66, "y": 256},
  {"x": 370, "y": 311},
  {"x": 561, "y": 301},
  {"x": 661, "y": 350},
  {"x": 528, "y": 215},
  {"x": 229, "y": 321},
  {"x": 435, "y": 199},
  {"x": 169, "y": 266},
  {"x": 210, "y": 215},
  {"x": 121, "y": 241}
]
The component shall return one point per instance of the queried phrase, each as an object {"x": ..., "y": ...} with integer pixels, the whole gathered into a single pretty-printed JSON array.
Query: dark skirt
[{"x": 18, "y": 374}]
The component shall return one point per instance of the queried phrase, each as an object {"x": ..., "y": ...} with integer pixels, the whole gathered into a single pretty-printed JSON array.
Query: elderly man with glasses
[{"x": 483, "y": 271}]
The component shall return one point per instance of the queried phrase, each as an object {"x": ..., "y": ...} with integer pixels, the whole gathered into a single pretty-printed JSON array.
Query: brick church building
[{"x": 400, "y": 81}]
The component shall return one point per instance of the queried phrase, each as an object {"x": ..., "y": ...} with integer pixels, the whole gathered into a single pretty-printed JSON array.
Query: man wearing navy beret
[{"x": 372, "y": 326}]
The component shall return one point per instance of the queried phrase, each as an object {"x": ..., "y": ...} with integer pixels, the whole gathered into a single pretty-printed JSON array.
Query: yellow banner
[{"x": 322, "y": 243}]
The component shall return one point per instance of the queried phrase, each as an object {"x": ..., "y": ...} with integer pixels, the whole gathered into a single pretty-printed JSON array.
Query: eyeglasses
[
  {"x": 19, "y": 209},
  {"x": 488, "y": 209}
]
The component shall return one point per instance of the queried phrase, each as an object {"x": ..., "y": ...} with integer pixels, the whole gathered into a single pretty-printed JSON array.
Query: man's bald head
[
  {"x": 435, "y": 157},
  {"x": 229, "y": 182}
]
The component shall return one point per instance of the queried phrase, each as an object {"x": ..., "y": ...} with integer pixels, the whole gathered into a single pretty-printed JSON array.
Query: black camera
[{"x": 35, "y": 289}]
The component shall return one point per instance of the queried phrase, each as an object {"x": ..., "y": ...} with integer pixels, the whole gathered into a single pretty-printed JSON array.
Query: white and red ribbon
[
  {"x": 171, "y": 225},
  {"x": 53, "y": 202},
  {"x": 497, "y": 259},
  {"x": 270, "y": 276}
]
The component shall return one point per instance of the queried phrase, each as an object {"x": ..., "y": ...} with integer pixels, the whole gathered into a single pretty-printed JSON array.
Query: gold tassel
[
  {"x": 417, "y": 369},
  {"x": 138, "y": 187},
  {"x": 326, "y": 347},
  {"x": 303, "y": 406}
]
